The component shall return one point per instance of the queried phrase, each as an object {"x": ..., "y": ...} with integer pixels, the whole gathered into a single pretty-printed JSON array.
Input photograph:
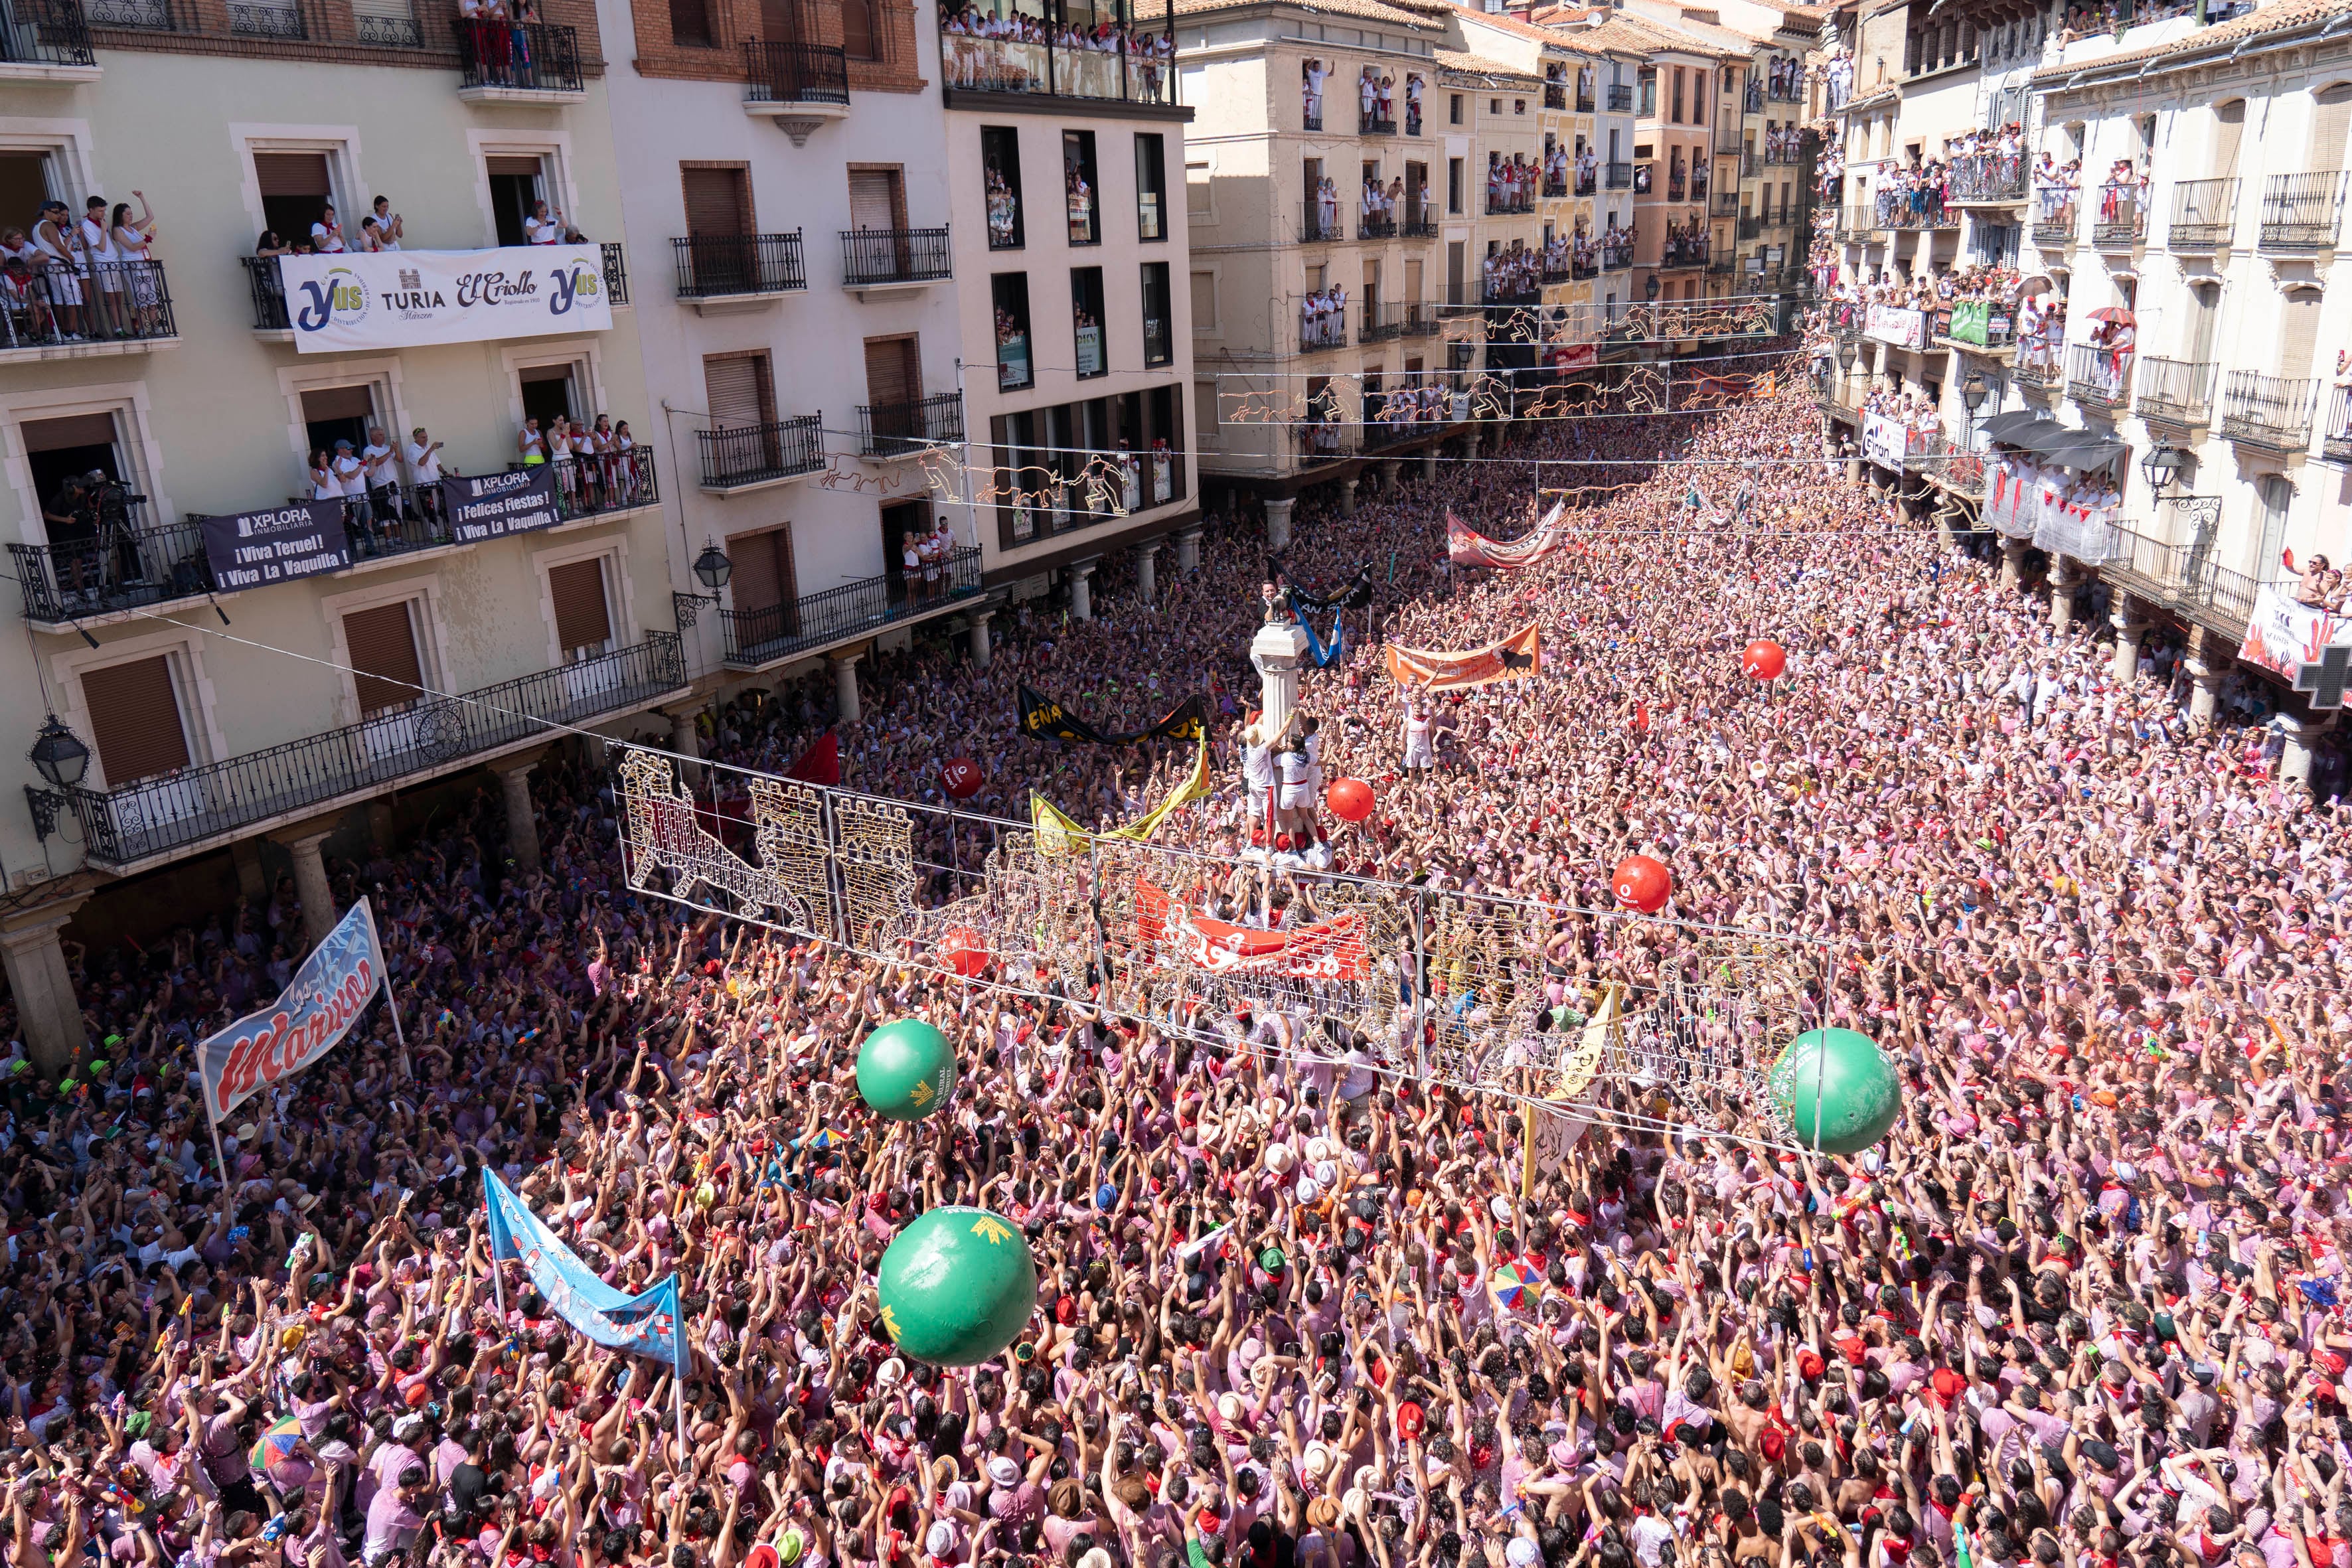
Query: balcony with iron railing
[
  {"x": 738, "y": 267},
  {"x": 1618, "y": 173},
  {"x": 1751, "y": 226},
  {"x": 764, "y": 636},
  {"x": 1855, "y": 222},
  {"x": 1375, "y": 124},
  {"x": 2038, "y": 367},
  {"x": 2302, "y": 211},
  {"x": 170, "y": 812},
  {"x": 1681, "y": 252},
  {"x": 1677, "y": 189},
  {"x": 1698, "y": 183},
  {"x": 2122, "y": 220},
  {"x": 2053, "y": 218},
  {"x": 1587, "y": 180},
  {"x": 1986, "y": 179},
  {"x": 1422, "y": 319},
  {"x": 2336, "y": 436},
  {"x": 903, "y": 429},
  {"x": 1421, "y": 227},
  {"x": 1504, "y": 204},
  {"x": 1959, "y": 470},
  {"x": 45, "y": 39},
  {"x": 2098, "y": 377},
  {"x": 1375, "y": 225},
  {"x": 117, "y": 307},
  {"x": 1621, "y": 97},
  {"x": 1320, "y": 330},
  {"x": 1584, "y": 100},
  {"x": 750, "y": 457},
  {"x": 1555, "y": 95},
  {"x": 1555, "y": 186},
  {"x": 1137, "y": 65},
  {"x": 1785, "y": 153},
  {"x": 1583, "y": 265},
  {"x": 1379, "y": 322},
  {"x": 2178, "y": 392},
  {"x": 502, "y": 61},
  {"x": 1915, "y": 210},
  {"x": 2181, "y": 576},
  {"x": 2204, "y": 214},
  {"x": 1616, "y": 255},
  {"x": 889, "y": 258},
  {"x": 1316, "y": 229},
  {"x": 1726, "y": 204},
  {"x": 2269, "y": 412},
  {"x": 266, "y": 285},
  {"x": 1751, "y": 163},
  {"x": 795, "y": 74}
]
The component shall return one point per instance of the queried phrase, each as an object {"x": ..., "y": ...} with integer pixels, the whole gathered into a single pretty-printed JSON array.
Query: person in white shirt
[
  {"x": 382, "y": 466},
  {"x": 425, "y": 472},
  {"x": 324, "y": 485},
  {"x": 541, "y": 228},
  {"x": 1418, "y": 750},
  {"x": 327, "y": 234},
  {"x": 350, "y": 477},
  {"x": 99, "y": 260},
  {"x": 388, "y": 225}
]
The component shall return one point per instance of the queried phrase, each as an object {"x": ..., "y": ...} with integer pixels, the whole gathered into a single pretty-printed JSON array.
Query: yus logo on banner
[{"x": 400, "y": 299}]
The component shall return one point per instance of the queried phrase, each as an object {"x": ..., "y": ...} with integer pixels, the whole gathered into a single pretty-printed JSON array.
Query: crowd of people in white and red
[{"x": 2081, "y": 1308}]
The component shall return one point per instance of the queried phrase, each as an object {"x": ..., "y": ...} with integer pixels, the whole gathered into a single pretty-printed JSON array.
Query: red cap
[{"x": 1409, "y": 1419}]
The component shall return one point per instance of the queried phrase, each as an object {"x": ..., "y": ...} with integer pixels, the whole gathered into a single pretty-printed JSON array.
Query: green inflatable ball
[
  {"x": 906, "y": 1071},
  {"x": 956, "y": 1286},
  {"x": 1842, "y": 1074}
]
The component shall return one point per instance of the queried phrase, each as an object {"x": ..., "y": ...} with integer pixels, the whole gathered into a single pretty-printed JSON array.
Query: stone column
[
  {"x": 1147, "y": 571},
  {"x": 1082, "y": 595},
  {"x": 2129, "y": 628},
  {"x": 2013, "y": 562},
  {"x": 47, "y": 1010},
  {"x": 1188, "y": 551},
  {"x": 251, "y": 880},
  {"x": 1347, "y": 498},
  {"x": 844, "y": 685},
  {"x": 1428, "y": 466},
  {"x": 980, "y": 638},
  {"x": 1854, "y": 472},
  {"x": 1277, "y": 523},
  {"x": 1392, "y": 472},
  {"x": 522, "y": 827},
  {"x": 319, "y": 912},
  {"x": 2204, "y": 689},
  {"x": 2294, "y": 763},
  {"x": 2064, "y": 580},
  {"x": 685, "y": 742},
  {"x": 1278, "y": 651}
]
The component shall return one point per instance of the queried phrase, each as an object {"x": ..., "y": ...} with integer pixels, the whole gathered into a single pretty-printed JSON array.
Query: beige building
[{"x": 238, "y": 672}]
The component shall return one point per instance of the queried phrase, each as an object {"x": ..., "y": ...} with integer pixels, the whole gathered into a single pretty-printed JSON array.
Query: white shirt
[
  {"x": 425, "y": 462},
  {"x": 378, "y": 460},
  {"x": 351, "y": 472},
  {"x": 541, "y": 231}
]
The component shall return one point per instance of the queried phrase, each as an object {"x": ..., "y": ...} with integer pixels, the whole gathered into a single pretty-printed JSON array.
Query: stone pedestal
[
  {"x": 845, "y": 687},
  {"x": 522, "y": 827},
  {"x": 1147, "y": 571},
  {"x": 2294, "y": 763},
  {"x": 686, "y": 742},
  {"x": 1188, "y": 551},
  {"x": 2013, "y": 562},
  {"x": 1082, "y": 595},
  {"x": 318, "y": 912},
  {"x": 1278, "y": 651},
  {"x": 1347, "y": 498},
  {"x": 980, "y": 649},
  {"x": 1277, "y": 525},
  {"x": 47, "y": 1010}
]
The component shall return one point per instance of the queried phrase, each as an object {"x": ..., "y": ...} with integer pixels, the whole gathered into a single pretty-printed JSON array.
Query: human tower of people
[{"x": 2081, "y": 1307}]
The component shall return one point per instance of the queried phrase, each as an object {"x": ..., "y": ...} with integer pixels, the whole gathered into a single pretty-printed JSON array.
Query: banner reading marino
[
  {"x": 401, "y": 299},
  {"x": 317, "y": 1008}
]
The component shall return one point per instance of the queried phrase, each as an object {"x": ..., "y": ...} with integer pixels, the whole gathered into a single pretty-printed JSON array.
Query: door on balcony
[
  {"x": 894, "y": 385},
  {"x": 69, "y": 448},
  {"x": 583, "y": 611},
  {"x": 904, "y": 525},
  {"x": 548, "y": 390},
  {"x": 387, "y": 675},
  {"x": 1453, "y": 272},
  {"x": 741, "y": 397},
  {"x": 518, "y": 182},
  {"x": 135, "y": 719},
  {"x": 24, "y": 184},
  {"x": 719, "y": 217},
  {"x": 333, "y": 414},
  {"x": 765, "y": 590},
  {"x": 296, "y": 188}
]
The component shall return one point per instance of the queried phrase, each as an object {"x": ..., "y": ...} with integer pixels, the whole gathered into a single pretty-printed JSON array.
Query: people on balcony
[
  {"x": 1513, "y": 273},
  {"x": 1510, "y": 182},
  {"x": 1326, "y": 207},
  {"x": 1913, "y": 195},
  {"x": 1378, "y": 203},
  {"x": 1312, "y": 75},
  {"x": 1323, "y": 318},
  {"x": 1004, "y": 208},
  {"x": 1375, "y": 96},
  {"x": 1413, "y": 89},
  {"x": 1588, "y": 170}
]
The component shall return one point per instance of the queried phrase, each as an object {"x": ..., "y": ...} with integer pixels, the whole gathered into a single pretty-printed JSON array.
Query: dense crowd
[{"x": 2080, "y": 1310}]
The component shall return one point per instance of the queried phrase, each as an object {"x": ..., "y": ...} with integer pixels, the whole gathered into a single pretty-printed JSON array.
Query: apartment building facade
[
  {"x": 225, "y": 652},
  {"x": 1310, "y": 308},
  {"x": 1065, "y": 179},
  {"x": 802, "y": 341},
  {"x": 1679, "y": 101}
]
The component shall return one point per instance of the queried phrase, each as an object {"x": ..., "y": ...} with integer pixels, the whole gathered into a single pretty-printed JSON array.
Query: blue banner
[
  {"x": 1316, "y": 649},
  {"x": 647, "y": 1324}
]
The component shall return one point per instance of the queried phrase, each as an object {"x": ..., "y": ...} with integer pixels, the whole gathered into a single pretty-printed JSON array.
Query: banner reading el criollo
[
  {"x": 315, "y": 1010},
  {"x": 401, "y": 299}
]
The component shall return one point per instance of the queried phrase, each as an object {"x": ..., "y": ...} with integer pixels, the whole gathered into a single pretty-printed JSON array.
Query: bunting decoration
[
  {"x": 1466, "y": 546},
  {"x": 1042, "y": 715},
  {"x": 1518, "y": 656}
]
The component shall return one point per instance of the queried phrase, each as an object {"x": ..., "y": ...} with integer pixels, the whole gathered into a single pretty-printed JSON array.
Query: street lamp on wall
[
  {"x": 2162, "y": 466},
  {"x": 62, "y": 760},
  {"x": 711, "y": 569}
]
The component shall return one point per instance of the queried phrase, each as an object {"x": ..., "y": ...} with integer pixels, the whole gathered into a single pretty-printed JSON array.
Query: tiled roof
[
  {"x": 2284, "y": 16},
  {"x": 1676, "y": 39},
  {"x": 1366, "y": 10},
  {"x": 1479, "y": 65},
  {"x": 1502, "y": 21},
  {"x": 1860, "y": 102}
]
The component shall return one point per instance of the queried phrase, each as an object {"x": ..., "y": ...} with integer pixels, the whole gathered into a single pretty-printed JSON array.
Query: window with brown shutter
[
  {"x": 861, "y": 30},
  {"x": 583, "y": 623},
  {"x": 894, "y": 371},
  {"x": 381, "y": 643},
  {"x": 64, "y": 435},
  {"x": 689, "y": 23},
  {"x": 295, "y": 190},
  {"x": 740, "y": 390},
  {"x": 134, "y": 716},
  {"x": 766, "y": 596},
  {"x": 876, "y": 199},
  {"x": 338, "y": 403},
  {"x": 717, "y": 201}
]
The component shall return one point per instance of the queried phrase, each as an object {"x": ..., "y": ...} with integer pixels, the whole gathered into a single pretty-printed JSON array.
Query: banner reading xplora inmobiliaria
[{"x": 401, "y": 299}]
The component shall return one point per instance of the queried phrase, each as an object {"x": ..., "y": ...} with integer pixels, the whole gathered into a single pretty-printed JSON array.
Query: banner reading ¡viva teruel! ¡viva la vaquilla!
[
  {"x": 315, "y": 1010},
  {"x": 402, "y": 299}
]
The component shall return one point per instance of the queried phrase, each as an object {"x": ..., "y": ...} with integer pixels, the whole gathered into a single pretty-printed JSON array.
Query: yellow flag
[{"x": 1057, "y": 834}]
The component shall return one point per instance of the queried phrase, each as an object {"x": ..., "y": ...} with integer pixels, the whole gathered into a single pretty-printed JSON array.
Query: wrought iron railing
[
  {"x": 1750, "y": 226},
  {"x": 2302, "y": 211},
  {"x": 1618, "y": 173},
  {"x": 1621, "y": 97},
  {"x": 2336, "y": 436},
  {"x": 1319, "y": 330},
  {"x": 763, "y": 635},
  {"x": 759, "y": 454},
  {"x": 1379, "y": 322},
  {"x": 44, "y": 33},
  {"x": 2053, "y": 217},
  {"x": 1421, "y": 320},
  {"x": 1421, "y": 227},
  {"x": 114, "y": 302},
  {"x": 1583, "y": 267},
  {"x": 2098, "y": 377},
  {"x": 1555, "y": 95},
  {"x": 1921, "y": 209},
  {"x": 1555, "y": 185},
  {"x": 2038, "y": 362},
  {"x": 1587, "y": 180},
  {"x": 2268, "y": 411},
  {"x": 2180, "y": 391},
  {"x": 1957, "y": 468},
  {"x": 1140, "y": 68},
  {"x": 522, "y": 57},
  {"x": 1501, "y": 202},
  {"x": 1986, "y": 177},
  {"x": 1615, "y": 256},
  {"x": 2179, "y": 575},
  {"x": 2122, "y": 220},
  {"x": 870, "y": 257},
  {"x": 152, "y": 816},
  {"x": 1375, "y": 124},
  {"x": 713, "y": 266},
  {"x": 794, "y": 73},
  {"x": 2204, "y": 212},
  {"x": 141, "y": 15},
  {"x": 896, "y": 429},
  {"x": 1314, "y": 228},
  {"x": 1375, "y": 225}
]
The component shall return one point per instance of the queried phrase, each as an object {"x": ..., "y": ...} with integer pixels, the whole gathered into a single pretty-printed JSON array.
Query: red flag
[
  {"x": 820, "y": 764},
  {"x": 1641, "y": 717}
]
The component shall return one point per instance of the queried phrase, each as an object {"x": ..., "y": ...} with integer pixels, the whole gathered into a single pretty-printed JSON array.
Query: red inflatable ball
[
  {"x": 962, "y": 778},
  {"x": 963, "y": 951},
  {"x": 1642, "y": 883},
  {"x": 1764, "y": 660},
  {"x": 1351, "y": 800}
]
